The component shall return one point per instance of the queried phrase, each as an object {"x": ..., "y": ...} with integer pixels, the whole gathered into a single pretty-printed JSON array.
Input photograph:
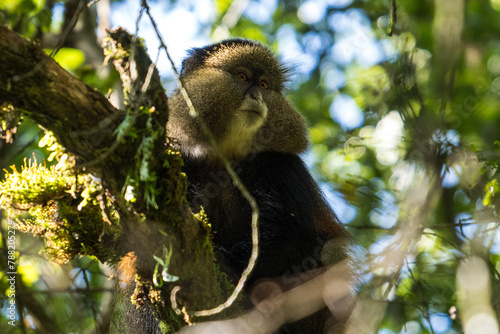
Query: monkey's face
[
  {"x": 252, "y": 90},
  {"x": 233, "y": 102},
  {"x": 237, "y": 90}
]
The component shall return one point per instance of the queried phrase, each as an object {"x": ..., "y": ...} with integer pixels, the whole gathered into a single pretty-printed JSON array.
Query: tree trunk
[{"x": 123, "y": 149}]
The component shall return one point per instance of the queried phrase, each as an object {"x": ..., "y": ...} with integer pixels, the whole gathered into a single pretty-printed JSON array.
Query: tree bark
[{"x": 85, "y": 123}]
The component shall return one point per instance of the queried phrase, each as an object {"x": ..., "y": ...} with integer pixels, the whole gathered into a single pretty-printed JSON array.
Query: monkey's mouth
[
  {"x": 254, "y": 112},
  {"x": 260, "y": 113},
  {"x": 253, "y": 108}
]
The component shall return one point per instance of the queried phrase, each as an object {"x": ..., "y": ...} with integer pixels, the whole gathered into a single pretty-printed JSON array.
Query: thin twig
[
  {"x": 236, "y": 180},
  {"x": 58, "y": 46},
  {"x": 88, "y": 294},
  {"x": 138, "y": 102},
  {"x": 393, "y": 17},
  {"x": 69, "y": 27},
  {"x": 93, "y": 2}
]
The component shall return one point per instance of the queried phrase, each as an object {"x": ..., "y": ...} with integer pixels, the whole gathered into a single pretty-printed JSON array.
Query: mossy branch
[{"x": 140, "y": 186}]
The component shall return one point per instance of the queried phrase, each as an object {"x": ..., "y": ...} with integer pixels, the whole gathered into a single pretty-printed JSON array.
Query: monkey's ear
[
  {"x": 195, "y": 60},
  {"x": 285, "y": 129},
  {"x": 188, "y": 65}
]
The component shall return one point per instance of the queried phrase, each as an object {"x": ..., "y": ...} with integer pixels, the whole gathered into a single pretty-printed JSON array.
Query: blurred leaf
[{"x": 69, "y": 59}]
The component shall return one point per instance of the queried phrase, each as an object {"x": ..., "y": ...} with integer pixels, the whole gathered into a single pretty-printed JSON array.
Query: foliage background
[{"x": 404, "y": 133}]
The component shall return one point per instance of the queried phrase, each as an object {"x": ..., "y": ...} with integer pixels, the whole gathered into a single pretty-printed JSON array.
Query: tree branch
[
  {"x": 33, "y": 82},
  {"x": 86, "y": 125}
]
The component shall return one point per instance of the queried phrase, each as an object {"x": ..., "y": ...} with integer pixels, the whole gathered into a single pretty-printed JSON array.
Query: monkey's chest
[
  {"x": 228, "y": 212},
  {"x": 287, "y": 201}
]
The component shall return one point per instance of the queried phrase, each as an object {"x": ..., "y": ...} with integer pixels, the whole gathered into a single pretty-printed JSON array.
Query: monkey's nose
[{"x": 255, "y": 93}]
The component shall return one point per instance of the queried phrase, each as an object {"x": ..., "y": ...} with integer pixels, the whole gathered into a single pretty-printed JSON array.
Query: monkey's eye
[
  {"x": 263, "y": 84},
  {"x": 242, "y": 76}
]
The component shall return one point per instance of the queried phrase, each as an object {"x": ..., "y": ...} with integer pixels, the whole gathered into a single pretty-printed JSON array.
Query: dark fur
[
  {"x": 295, "y": 222},
  {"x": 288, "y": 200}
]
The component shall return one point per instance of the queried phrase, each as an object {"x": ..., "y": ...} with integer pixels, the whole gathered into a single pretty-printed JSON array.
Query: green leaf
[{"x": 69, "y": 59}]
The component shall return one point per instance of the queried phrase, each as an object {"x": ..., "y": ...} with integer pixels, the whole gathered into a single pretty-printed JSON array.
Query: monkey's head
[{"x": 236, "y": 86}]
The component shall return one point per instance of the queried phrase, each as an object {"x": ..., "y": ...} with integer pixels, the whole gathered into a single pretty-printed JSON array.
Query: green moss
[
  {"x": 64, "y": 212},
  {"x": 34, "y": 184},
  {"x": 69, "y": 232}
]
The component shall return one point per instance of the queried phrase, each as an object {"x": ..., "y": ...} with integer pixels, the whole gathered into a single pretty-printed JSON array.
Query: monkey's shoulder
[
  {"x": 280, "y": 183},
  {"x": 268, "y": 169}
]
